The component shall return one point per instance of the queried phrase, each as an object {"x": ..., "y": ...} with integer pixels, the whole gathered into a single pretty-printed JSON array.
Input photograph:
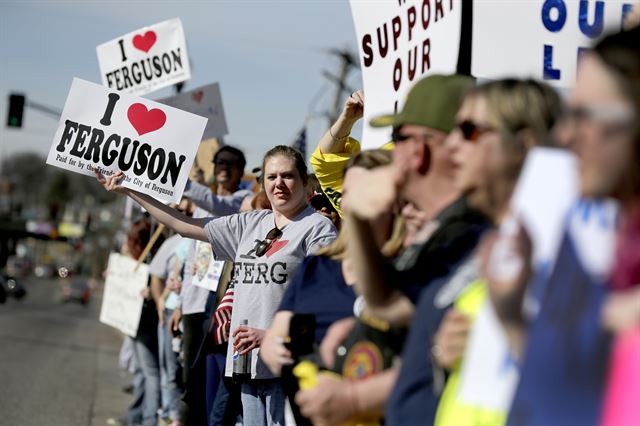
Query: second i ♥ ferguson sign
[
  {"x": 153, "y": 144},
  {"x": 145, "y": 60}
]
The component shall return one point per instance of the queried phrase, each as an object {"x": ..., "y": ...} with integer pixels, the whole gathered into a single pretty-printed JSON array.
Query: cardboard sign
[
  {"x": 121, "y": 299},
  {"x": 205, "y": 101},
  {"x": 539, "y": 39},
  {"x": 398, "y": 43},
  {"x": 153, "y": 144},
  {"x": 145, "y": 60},
  {"x": 207, "y": 269}
]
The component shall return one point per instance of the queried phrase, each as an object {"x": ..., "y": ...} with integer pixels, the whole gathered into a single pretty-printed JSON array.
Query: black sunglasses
[
  {"x": 263, "y": 246},
  {"x": 472, "y": 131},
  {"x": 228, "y": 163}
]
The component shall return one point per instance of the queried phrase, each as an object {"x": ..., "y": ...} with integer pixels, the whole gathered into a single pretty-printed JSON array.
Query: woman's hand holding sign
[
  {"x": 186, "y": 226},
  {"x": 112, "y": 183}
]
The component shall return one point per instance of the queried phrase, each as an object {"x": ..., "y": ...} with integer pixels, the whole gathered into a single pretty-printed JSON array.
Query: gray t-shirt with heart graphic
[{"x": 260, "y": 282}]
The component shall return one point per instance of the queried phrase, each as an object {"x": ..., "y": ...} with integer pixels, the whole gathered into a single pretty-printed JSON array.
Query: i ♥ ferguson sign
[
  {"x": 153, "y": 144},
  {"x": 145, "y": 60}
]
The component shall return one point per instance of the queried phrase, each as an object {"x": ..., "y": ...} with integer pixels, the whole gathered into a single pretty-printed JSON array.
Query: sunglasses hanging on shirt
[{"x": 263, "y": 246}]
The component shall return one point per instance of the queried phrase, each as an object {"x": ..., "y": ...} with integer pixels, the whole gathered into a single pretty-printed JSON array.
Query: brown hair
[
  {"x": 620, "y": 52},
  {"x": 291, "y": 153},
  {"x": 138, "y": 237}
]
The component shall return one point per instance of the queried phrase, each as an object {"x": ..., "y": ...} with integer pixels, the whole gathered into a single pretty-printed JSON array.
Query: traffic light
[{"x": 16, "y": 110}]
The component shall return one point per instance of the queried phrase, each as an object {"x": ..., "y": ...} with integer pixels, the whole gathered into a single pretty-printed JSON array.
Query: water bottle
[{"x": 241, "y": 363}]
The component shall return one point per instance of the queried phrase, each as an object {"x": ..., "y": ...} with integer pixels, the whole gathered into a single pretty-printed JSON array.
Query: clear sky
[{"x": 267, "y": 55}]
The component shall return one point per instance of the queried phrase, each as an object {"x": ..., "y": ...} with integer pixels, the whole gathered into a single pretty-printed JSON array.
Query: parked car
[
  {"x": 18, "y": 266},
  {"x": 76, "y": 290},
  {"x": 10, "y": 287}
]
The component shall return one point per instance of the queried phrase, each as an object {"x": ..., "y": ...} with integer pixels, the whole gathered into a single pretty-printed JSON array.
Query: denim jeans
[
  {"x": 170, "y": 371},
  {"x": 134, "y": 412},
  {"x": 262, "y": 402},
  {"x": 145, "y": 351},
  {"x": 227, "y": 407}
]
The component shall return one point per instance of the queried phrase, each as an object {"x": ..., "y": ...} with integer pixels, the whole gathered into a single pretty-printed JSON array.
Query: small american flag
[
  {"x": 301, "y": 142},
  {"x": 222, "y": 317}
]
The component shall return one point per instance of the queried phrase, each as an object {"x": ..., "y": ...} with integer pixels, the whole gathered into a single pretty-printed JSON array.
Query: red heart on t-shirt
[
  {"x": 276, "y": 246},
  {"x": 145, "y": 121},
  {"x": 197, "y": 96},
  {"x": 145, "y": 42}
]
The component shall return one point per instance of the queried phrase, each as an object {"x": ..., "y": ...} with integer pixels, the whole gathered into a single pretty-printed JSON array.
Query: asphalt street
[{"x": 58, "y": 364}]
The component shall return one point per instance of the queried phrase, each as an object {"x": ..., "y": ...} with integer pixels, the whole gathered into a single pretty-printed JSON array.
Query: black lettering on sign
[
  {"x": 123, "y": 164},
  {"x": 78, "y": 146},
  {"x": 108, "y": 157},
  {"x": 93, "y": 150},
  {"x": 121, "y": 43},
  {"x": 67, "y": 134},
  {"x": 143, "y": 160},
  {"x": 108, "y": 112},
  {"x": 439, "y": 10},
  {"x": 366, "y": 50},
  {"x": 396, "y": 26},
  {"x": 411, "y": 19},
  {"x": 145, "y": 70}
]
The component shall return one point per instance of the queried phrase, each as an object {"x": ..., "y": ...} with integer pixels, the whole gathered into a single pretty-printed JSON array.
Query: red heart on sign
[
  {"x": 276, "y": 246},
  {"x": 197, "y": 96},
  {"x": 145, "y": 121},
  {"x": 145, "y": 42}
]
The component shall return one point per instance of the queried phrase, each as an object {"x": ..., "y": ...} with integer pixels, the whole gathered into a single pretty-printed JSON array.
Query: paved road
[{"x": 58, "y": 364}]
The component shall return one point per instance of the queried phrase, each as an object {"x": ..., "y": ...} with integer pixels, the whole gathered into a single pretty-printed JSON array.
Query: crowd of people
[{"x": 361, "y": 311}]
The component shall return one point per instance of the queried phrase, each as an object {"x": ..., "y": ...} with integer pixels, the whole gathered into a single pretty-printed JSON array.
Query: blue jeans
[
  {"x": 215, "y": 372},
  {"x": 145, "y": 351},
  {"x": 134, "y": 412},
  {"x": 262, "y": 402},
  {"x": 170, "y": 381}
]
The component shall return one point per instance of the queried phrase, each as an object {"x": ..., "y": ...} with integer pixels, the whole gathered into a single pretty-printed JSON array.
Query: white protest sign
[
  {"x": 153, "y": 144},
  {"x": 207, "y": 270},
  {"x": 398, "y": 43},
  {"x": 487, "y": 364},
  {"x": 205, "y": 101},
  {"x": 121, "y": 299},
  {"x": 540, "y": 39},
  {"x": 544, "y": 194},
  {"x": 145, "y": 60}
]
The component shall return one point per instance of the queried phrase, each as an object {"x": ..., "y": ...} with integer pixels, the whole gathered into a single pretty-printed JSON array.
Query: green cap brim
[{"x": 383, "y": 120}]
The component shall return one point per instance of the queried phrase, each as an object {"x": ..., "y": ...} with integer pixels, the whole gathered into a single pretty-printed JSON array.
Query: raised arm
[
  {"x": 372, "y": 195},
  {"x": 219, "y": 205},
  {"x": 184, "y": 225},
  {"x": 334, "y": 139}
]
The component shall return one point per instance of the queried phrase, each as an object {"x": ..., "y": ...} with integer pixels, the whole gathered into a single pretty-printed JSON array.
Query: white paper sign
[
  {"x": 145, "y": 60},
  {"x": 543, "y": 196},
  {"x": 540, "y": 39},
  {"x": 398, "y": 43},
  {"x": 207, "y": 270},
  {"x": 121, "y": 299},
  {"x": 153, "y": 144},
  {"x": 489, "y": 374},
  {"x": 205, "y": 101}
]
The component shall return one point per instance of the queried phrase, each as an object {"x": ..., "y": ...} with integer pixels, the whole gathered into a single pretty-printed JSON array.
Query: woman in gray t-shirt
[{"x": 267, "y": 246}]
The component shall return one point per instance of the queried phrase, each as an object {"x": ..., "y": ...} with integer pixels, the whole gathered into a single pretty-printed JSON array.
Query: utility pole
[{"x": 347, "y": 64}]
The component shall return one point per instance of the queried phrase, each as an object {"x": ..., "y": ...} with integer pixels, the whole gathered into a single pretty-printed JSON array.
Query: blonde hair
[
  {"x": 337, "y": 250},
  {"x": 516, "y": 108}
]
